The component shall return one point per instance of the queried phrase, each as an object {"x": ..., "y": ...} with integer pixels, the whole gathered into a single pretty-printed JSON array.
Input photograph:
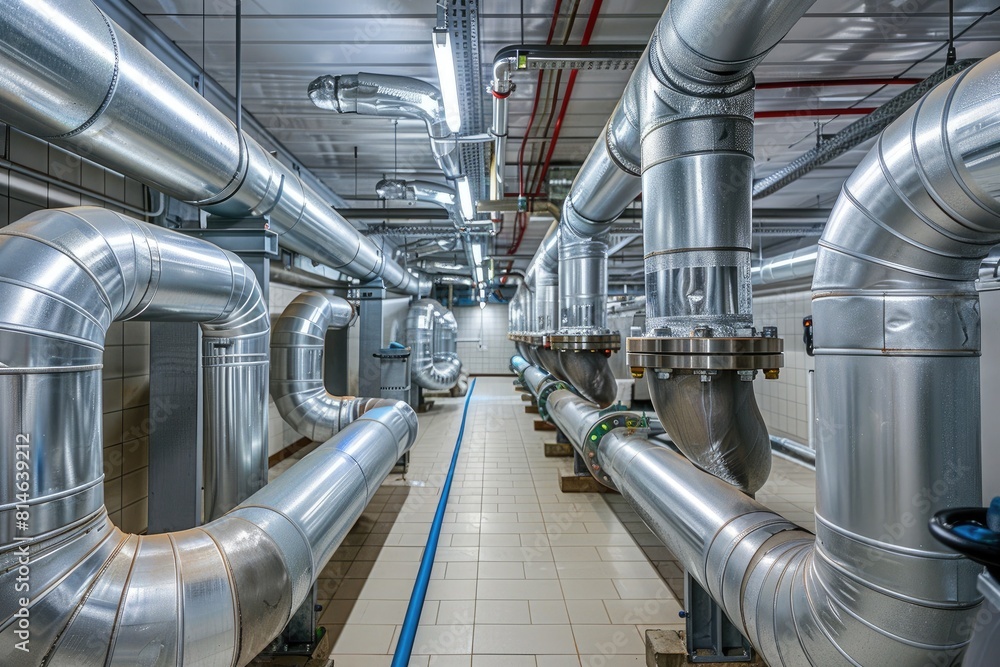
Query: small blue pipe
[{"x": 404, "y": 647}]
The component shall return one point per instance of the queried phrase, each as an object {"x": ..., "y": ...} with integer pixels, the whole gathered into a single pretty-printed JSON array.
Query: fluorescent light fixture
[
  {"x": 444, "y": 58},
  {"x": 479, "y": 275},
  {"x": 465, "y": 198},
  {"x": 477, "y": 253}
]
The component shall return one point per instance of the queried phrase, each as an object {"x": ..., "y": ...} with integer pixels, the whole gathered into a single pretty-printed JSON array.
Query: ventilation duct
[
  {"x": 798, "y": 602},
  {"x": 442, "y": 195},
  {"x": 897, "y": 344},
  {"x": 91, "y": 88},
  {"x": 391, "y": 96},
  {"x": 297, "y": 342},
  {"x": 795, "y": 265},
  {"x": 70, "y": 273},
  {"x": 214, "y": 595},
  {"x": 432, "y": 334}
]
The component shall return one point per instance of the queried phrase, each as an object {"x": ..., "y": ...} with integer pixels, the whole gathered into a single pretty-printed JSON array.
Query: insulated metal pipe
[
  {"x": 214, "y": 595},
  {"x": 797, "y": 601},
  {"x": 91, "y": 88},
  {"x": 297, "y": 342},
  {"x": 66, "y": 276},
  {"x": 210, "y": 596},
  {"x": 797, "y": 264},
  {"x": 696, "y": 116},
  {"x": 442, "y": 195},
  {"x": 434, "y": 363},
  {"x": 392, "y": 96},
  {"x": 697, "y": 125}
]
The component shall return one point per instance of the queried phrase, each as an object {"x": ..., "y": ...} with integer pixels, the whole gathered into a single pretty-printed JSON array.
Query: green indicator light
[{"x": 593, "y": 437}]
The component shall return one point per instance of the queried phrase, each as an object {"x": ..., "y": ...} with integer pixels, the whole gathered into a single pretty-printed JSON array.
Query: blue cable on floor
[{"x": 404, "y": 647}]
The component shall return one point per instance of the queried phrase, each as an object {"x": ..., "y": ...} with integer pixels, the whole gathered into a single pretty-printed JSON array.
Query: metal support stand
[
  {"x": 711, "y": 636},
  {"x": 301, "y": 634},
  {"x": 369, "y": 369},
  {"x": 175, "y": 388},
  {"x": 394, "y": 369},
  {"x": 335, "y": 362}
]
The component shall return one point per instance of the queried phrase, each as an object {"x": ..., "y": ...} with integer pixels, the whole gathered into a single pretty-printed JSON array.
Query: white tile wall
[
  {"x": 783, "y": 402},
  {"x": 489, "y": 352}
]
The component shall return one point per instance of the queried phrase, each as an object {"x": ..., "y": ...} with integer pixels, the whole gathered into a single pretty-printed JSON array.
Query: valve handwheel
[{"x": 973, "y": 532}]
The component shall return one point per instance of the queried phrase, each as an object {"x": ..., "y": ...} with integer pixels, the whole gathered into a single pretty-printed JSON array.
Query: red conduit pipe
[
  {"x": 587, "y": 33},
  {"x": 520, "y": 219}
]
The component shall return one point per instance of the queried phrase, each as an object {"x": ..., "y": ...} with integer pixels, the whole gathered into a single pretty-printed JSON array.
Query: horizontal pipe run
[{"x": 93, "y": 89}]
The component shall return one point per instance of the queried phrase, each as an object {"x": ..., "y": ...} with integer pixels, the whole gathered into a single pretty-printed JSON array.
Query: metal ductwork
[
  {"x": 537, "y": 327},
  {"x": 91, "y": 88},
  {"x": 214, "y": 595},
  {"x": 297, "y": 342},
  {"x": 802, "y": 600},
  {"x": 441, "y": 195},
  {"x": 425, "y": 191},
  {"x": 787, "y": 267},
  {"x": 694, "y": 95},
  {"x": 392, "y": 96},
  {"x": 67, "y": 274},
  {"x": 432, "y": 334}
]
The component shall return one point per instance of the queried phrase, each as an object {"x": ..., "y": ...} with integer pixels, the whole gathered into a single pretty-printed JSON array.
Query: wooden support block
[
  {"x": 531, "y": 409},
  {"x": 582, "y": 484},
  {"x": 667, "y": 648},
  {"x": 544, "y": 426},
  {"x": 558, "y": 449}
]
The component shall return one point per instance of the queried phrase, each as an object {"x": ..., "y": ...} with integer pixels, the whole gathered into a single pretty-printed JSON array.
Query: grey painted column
[
  {"x": 369, "y": 367},
  {"x": 176, "y": 448},
  {"x": 175, "y": 431}
]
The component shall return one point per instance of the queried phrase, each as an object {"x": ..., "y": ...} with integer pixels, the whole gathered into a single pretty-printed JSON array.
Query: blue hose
[{"x": 404, "y": 647}]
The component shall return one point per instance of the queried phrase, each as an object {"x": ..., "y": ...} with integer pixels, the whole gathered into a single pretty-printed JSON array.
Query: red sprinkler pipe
[{"x": 587, "y": 33}]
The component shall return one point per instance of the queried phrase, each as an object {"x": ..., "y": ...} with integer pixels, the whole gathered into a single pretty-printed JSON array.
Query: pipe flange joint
[
  {"x": 612, "y": 418},
  {"x": 593, "y": 342},
  {"x": 544, "y": 391},
  {"x": 704, "y": 354}
]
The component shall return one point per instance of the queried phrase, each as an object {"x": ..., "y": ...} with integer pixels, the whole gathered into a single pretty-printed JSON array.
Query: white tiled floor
[{"x": 524, "y": 574}]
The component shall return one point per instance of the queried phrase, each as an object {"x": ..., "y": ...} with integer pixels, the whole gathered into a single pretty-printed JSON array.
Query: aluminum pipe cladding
[
  {"x": 297, "y": 342},
  {"x": 430, "y": 367},
  {"x": 213, "y": 596},
  {"x": 392, "y": 96},
  {"x": 90, "y": 87},
  {"x": 66, "y": 276},
  {"x": 899, "y": 401},
  {"x": 583, "y": 283}
]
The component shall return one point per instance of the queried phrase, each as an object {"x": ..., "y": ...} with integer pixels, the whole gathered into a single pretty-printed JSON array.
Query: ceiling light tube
[
  {"x": 477, "y": 253},
  {"x": 444, "y": 58}
]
